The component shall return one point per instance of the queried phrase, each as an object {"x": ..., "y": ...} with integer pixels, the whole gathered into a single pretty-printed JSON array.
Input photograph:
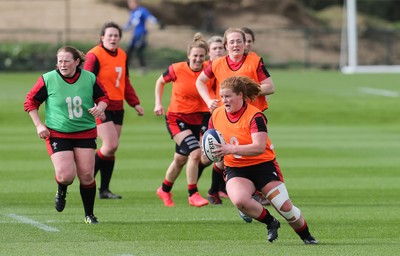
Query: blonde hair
[
  {"x": 215, "y": 39},
  {"x": 198, "y": 42},
  {"x": 233, "y": 30},
  {"x": 242, "y": 84}
]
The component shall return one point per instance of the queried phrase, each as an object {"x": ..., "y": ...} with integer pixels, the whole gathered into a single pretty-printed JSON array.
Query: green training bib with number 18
[{"x": 67, "y": 104}]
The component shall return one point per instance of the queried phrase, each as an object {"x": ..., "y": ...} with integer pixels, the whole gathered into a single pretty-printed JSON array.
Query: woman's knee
[
  {"x": 86, "y": 178},
  {"x": 239, "y": 203},
  {"x": 109, "y": 148},
  {"x": 65, "y": 177},
  {"x": 195, "y": 155},
  {"x": 110, "y": 138},
  {"x": 180, "y": 160}
]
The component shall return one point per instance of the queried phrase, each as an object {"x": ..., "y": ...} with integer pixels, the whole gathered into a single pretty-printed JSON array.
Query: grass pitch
[{"x": 337, "y": 139}]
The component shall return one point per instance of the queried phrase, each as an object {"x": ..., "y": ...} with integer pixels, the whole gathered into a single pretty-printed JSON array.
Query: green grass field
[{"x": 337, "y": 138}]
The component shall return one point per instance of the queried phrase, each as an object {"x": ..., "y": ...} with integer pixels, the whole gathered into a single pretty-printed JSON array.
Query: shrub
[{"x": 42, "y": 56}]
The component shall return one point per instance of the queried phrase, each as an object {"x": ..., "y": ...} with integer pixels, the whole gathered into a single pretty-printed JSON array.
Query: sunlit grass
[{"x": 337, "y": 146}]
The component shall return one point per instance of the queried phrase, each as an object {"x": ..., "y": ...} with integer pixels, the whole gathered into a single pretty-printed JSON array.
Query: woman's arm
[{"x": 159, "y": 91}]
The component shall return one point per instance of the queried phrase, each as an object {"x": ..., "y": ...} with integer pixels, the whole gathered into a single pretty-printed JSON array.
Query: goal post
[{"x": 349, "y": 45}]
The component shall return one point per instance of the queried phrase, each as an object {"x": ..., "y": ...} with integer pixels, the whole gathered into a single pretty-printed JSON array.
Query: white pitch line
[
  {"x": 380, "y": 92},
  {"x": 34, "y": 223}
]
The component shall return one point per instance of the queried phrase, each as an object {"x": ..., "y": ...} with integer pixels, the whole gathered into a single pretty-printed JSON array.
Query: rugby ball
[{"x": 210, "y": 137}]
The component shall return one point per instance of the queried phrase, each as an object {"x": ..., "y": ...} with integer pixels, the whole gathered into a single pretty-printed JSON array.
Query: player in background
[
  {"x": 73, "y": 98},
  {"x": 108, "y": 62},
  {"x": 250, "y": 161},
  {"x": 138, "y": 18},
  {"x": 237, "y": 62},
  {"x": 249, "y": 38},
  {"x": 216, "y": 47},
  {"x": 217, "y": 190},
  {"x": 184, "y": 119}
]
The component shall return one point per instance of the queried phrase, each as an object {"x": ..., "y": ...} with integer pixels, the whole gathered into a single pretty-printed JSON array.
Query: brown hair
[
  {"x": 247, "y": 30},
  {"x": 198, "y": 42},
  {"x": 110, "y": 24},
  {"x": 76, "y": 54},
  {"x": 242, "y": 84}
]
